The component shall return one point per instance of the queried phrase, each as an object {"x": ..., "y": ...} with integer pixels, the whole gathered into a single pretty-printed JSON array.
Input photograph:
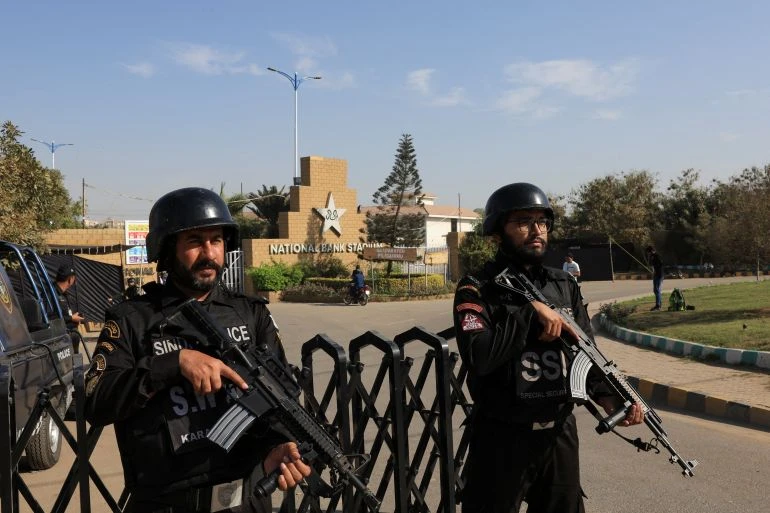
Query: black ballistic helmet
[
  {"x": 185, "y": 209},
  {"x": 515, "y": 196}
]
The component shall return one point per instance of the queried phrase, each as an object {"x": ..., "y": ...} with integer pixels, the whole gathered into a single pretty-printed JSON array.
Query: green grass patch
[{"x": 736, "y": 315}]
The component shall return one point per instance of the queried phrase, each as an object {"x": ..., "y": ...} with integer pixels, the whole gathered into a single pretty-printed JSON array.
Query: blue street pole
[
  {"x": 295, "y": 81},
  {"x": 53, "y": 147}
]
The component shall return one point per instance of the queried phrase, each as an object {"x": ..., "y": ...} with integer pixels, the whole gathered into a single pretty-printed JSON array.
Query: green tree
[
  {"x": 623, "y": 206},
  {"x": 235, "y": 203},
  {"x": 687, "y": 218},
  {"x": 267, "y": 205},
  {"x": 33, "y": 199},
  {"x": 248, "y": 228},
  {"x": 399, "y": 219},
  {"x": 740, "y": 232},
  {"x": 563, "y": 227},
  {"x": 475, "y": 249}
]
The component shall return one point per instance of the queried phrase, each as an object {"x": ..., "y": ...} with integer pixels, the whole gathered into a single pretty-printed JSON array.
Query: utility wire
[{"x": 118, "y": 193}]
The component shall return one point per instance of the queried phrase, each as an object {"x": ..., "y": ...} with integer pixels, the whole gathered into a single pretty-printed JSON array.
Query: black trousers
[
  {"x": 508, "y": 465},
  {"x": 191, "y": 502},
  {"x": 198, "y": 500}
]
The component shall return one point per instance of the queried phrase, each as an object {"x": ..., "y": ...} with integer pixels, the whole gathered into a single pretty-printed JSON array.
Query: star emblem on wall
[{"x": 331, "y": 215}]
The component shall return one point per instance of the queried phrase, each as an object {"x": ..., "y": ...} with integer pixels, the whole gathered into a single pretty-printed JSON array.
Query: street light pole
[
  {"x": 295, "y": 81},
  {"x": 53, "y": 147}
]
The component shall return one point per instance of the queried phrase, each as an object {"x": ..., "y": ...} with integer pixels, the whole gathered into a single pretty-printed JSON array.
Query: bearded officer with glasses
[{"x": 524, "y": 442}]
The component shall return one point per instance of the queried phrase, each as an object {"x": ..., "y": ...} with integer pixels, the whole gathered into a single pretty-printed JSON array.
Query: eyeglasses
[{"x": 525, "y": 224}]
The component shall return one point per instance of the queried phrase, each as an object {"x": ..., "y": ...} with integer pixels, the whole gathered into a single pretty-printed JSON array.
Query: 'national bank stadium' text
[{"x": 295, "y": 248}]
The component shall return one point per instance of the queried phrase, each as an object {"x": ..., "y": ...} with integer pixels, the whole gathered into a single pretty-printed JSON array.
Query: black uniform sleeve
[
  {"x": 488, "y": 337},
  {"x": 121, "y": 378},
  {"x": 267, "y": 331},
  {"x": 65, "y": 309}
]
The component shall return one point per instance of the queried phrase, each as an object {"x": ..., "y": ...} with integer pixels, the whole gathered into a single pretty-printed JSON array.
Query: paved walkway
[{"x": 739, "y": 393}]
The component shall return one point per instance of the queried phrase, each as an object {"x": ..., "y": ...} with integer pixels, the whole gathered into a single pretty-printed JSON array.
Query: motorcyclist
[{"x": 356, "y": 281}]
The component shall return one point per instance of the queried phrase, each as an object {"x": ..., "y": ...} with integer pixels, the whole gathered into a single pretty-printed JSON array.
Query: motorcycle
[{"x": 361, "y": 296}]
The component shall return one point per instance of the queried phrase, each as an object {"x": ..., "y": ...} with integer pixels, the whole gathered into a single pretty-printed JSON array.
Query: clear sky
[{"x": 157, "y": 95}]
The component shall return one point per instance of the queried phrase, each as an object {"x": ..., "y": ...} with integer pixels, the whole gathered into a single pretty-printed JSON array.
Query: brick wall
[
  {"x": 301, "y": 225},
  {"x": 93, "y": 237}
]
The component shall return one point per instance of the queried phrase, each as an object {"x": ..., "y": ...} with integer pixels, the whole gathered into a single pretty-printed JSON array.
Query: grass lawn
[{"x": 735, "y": 315}]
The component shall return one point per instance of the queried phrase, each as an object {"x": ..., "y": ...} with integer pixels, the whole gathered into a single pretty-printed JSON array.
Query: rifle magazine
[
  {"x": 578, "y": 376},
  {"x": 229, "y": 428}
]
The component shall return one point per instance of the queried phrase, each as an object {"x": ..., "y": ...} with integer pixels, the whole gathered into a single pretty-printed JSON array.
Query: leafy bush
[
  {"x": 399, "y": 285},
  {"x": 616, "y": 313},
  {"x": 393, "y": 286},
  {"x": 474, "y": 250},
  {"x": 275, "y": 276},
  {"x": 331, "y": 267},
  {"x": 308, "y": 290},
  {"x": 336, "y": 284}
]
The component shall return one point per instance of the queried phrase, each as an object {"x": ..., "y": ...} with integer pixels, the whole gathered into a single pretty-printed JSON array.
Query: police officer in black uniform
[
  {"x": 163, "y": 392},
  {"x": 524, "y": 443},
  {"x": 132, "y": 289},
  {"x": 64, "y": 281}
]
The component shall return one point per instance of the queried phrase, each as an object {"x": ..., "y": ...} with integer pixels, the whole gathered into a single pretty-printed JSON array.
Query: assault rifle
[
  {"x": 585, "y": 356},
  {"x": 272, "y": 397}
]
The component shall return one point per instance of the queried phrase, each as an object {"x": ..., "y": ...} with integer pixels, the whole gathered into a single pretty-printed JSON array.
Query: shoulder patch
[
  {"x": 94, "y": 373},
  {"x": 107, "y": 346},
  {"x": 472, "y": 322},
  {"x": 470, "y": 288},
  {"x": 469, "y": 306},
  {"x": 469, "y": 278},
  {"x": 111, "y": 329}
]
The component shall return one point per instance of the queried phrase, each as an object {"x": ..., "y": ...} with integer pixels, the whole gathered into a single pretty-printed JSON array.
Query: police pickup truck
[{"x": 36, "y": 354}]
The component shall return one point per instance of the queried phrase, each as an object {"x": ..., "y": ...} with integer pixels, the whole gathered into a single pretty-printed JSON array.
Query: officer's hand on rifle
[
  {"x": 553, "y": 323},
  {"x": 611, "y": 404},
  {"x": 206, "y": 372},
  {"x": 293, "y": 469}
]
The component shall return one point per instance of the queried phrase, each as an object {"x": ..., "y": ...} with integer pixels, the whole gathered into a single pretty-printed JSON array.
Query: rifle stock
[
  {"x": 585, "y": 357},
  {"x": 272, "y": 398}
]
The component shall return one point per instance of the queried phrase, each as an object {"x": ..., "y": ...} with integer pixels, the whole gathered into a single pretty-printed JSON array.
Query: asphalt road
[{"x": 733, "y": 460}]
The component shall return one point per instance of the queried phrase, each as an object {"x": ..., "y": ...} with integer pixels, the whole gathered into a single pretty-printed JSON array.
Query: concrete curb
[
  {"x": 759, "y": 359},
  {"x": 688, "y": 273},
  {"x": 664, "y": 395},
  {"x": 658, "y": 394}
]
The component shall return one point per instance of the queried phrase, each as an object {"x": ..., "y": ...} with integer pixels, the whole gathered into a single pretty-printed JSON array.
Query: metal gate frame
[
  {"x": 233, "y": 274},
  {"x": 406, "y": 471}
]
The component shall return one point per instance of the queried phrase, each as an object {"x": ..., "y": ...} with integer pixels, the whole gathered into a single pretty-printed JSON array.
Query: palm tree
[{"x": 267, "y": 204}]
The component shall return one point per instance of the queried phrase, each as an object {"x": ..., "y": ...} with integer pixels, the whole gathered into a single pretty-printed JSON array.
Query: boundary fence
[{"x": 394, "y": 405}]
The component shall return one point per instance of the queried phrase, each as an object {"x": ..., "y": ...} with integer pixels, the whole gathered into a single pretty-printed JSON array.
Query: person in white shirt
[{"x": 570, "y": 266}]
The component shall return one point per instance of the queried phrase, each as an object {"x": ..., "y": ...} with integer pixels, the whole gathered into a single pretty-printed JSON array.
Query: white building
[{"x": 440, "y": 219}]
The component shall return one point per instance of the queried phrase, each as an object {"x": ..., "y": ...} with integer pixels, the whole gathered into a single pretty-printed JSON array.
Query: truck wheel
[{"x": 44, "y": 447}]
